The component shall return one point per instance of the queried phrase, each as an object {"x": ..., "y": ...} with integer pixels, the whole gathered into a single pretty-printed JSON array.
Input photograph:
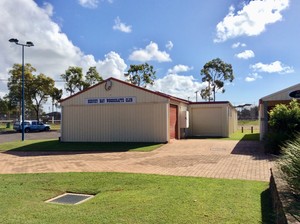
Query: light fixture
[{"x": 28, "y": 44}]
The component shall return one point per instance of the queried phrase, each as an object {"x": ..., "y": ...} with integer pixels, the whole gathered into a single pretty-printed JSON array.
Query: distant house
[
  {"x": 117, "y": 111},
  {"x": 267, "y": 103}
]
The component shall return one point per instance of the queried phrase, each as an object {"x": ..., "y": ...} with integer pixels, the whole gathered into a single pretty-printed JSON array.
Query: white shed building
[{"x": 117, "y": 111}]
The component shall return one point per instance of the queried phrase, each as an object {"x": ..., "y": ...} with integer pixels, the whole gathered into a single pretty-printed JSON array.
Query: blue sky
[{"x": 259, "y": 38}]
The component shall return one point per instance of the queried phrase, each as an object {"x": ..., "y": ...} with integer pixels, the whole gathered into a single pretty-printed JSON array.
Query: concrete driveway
[{"x": 193, "y": 157}]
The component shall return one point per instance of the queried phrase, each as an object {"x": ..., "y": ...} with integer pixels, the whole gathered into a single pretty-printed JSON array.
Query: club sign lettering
[{"x": 111, "y": 100}]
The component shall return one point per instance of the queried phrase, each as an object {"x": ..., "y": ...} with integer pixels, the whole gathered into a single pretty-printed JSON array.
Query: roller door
[{"x": 173, "y": 122}]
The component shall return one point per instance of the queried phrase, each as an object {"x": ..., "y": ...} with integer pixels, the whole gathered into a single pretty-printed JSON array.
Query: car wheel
[
  {"x": 47, "y": 129},
  {"x": 27, "y": 130}
]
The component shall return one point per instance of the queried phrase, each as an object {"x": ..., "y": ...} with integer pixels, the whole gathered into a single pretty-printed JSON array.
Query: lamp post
[
  {"x": 197, "y": 95},
  {"x": 28, "y": 44}
]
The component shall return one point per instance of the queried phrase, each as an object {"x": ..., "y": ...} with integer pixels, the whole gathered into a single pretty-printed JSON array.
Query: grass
[
  {"x": 132, "y": 198},
  {"x": 246, "y": 135},
  {"x": 248, "y": 122},
  {"x": 238, "y": 135},
  {"x": 54, "y": 145},
  {"x": 3, "y": 127}
]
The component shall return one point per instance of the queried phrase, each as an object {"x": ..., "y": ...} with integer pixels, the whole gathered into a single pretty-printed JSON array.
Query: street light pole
[
  {"x": 196, "y": 96},
  {"x": 28, "y": 44}
]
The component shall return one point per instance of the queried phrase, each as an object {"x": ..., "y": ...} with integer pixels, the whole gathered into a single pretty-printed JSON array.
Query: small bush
[
  {"x": 290, "y": 163},
  {"x": 284, "y": 122}
]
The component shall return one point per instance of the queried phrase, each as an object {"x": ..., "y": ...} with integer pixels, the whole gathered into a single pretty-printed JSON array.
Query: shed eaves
[{"x": 286, "y": 90}]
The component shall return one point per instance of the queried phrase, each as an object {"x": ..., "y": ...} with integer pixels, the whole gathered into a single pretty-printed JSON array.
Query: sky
[{"x": 259, "y": 38}]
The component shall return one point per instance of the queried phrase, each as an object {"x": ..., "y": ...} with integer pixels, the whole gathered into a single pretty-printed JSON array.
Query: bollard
[
  {"x": 242, "y": 129},
  {"x": 251, "y": 129}
]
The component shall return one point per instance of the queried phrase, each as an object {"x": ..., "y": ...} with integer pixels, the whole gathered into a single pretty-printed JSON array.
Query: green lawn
[
  {"x": 246, "y": 135},
  {"x": 55, "y": 145},
  {"x": 248, "y": 122},
  {"x": 238, "y": 135},
  {"x": 132, "y": 198}
]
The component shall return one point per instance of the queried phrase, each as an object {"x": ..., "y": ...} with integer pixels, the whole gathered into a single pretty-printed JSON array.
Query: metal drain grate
[{"x": 70, "y": 198}]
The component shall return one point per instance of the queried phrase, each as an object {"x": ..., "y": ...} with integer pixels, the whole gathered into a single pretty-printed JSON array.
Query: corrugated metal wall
[
  {"x": 212, "y": 120},
  {"x": 207, "y": 121},
  {"x": 232, "y": 122},
  {"x": 143, "y": 121},
  {"x": 115, "y": 123}
]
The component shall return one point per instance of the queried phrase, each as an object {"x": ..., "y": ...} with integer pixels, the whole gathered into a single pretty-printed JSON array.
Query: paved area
[{"x": 193, "y": 157}]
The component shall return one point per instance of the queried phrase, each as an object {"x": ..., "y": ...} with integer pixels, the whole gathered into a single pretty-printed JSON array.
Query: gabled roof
[
  {"x": 129, "y": 84},
  {"x": 285, "y": 91}
]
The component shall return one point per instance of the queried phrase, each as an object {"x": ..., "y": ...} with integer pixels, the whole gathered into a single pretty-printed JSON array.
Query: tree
[
  {"x": 141, "y": 75},
  {"x": 215, "y": 72},
  {"x": 92, "y": 77},
  {"x": 37, "y": 89},
  {"x": 42, "y": 88},
  {"x": 4, "y": 107},
  {"x": 56, "y": 96},
  {"x": 15, "y": 85},
  {"x": 74, "y": 79}
]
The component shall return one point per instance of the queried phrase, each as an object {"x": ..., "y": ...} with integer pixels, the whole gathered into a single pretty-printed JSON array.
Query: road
[{"x": 11, "y": 136}]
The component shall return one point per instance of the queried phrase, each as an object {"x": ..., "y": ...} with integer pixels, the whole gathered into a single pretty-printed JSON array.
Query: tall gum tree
[
  {"x": 42, "y": 88},
  {"x": 141, "y": 75},
  {"x": 37, "y": 88},
  {"x": 15, "y": 85},
  {"x": 215, "y": 73}
]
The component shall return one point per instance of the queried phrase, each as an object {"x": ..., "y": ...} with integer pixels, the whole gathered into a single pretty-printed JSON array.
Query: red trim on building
[{"x": 129, "y": 84}]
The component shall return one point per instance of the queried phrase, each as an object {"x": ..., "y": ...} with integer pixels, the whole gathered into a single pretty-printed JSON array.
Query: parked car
[{"x": 31, "y": 126}]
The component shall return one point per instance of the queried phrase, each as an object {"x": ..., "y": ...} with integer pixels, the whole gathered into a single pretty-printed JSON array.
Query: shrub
[
  {"x": 290, "y": 163},
  {"x": 285, "y": 118},
  {"x": 284, "y": 122}
]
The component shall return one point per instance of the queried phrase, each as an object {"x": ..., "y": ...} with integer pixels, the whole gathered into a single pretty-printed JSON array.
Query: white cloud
[
  {"x": 121, "y": 26},
  {"x": 48, "y": 8},
  {"x": 252, "y": 77},
  {"x": 251, "y": 20},
  {"x": 245, "y": 54},
  {"x": 179, "y": 68},
  {"x": 92, "y": 4},
  {"x": 53, "y": 52},
  {"x": 180, "y": 86},
  {"x": 274, "y": 67},
  {"x": 112, "y": 65},
  {"x": 169, "y": 45},
  {"x": 238, "y": 44},
  {"x": 150, "y": 53}
]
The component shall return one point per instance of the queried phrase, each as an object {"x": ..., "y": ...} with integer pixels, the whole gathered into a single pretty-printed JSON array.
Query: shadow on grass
[
  {"x": 235, "y": 136},
  {"x": 267, "y": 212},
  {"x": 251, "y": 137},
  {"x": 54, "y": 147}
]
